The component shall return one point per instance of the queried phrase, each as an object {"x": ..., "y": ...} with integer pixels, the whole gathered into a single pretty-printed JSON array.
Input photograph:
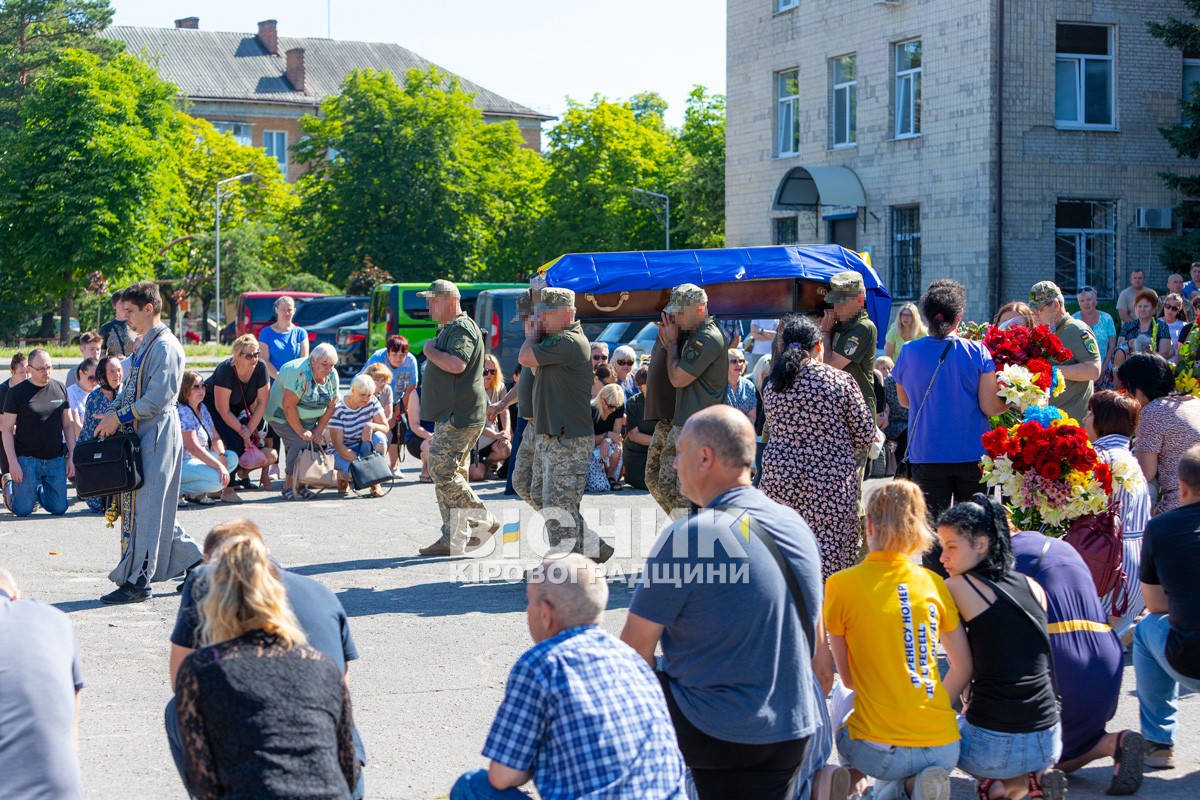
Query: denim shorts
[{"x": 990, "y": 754}]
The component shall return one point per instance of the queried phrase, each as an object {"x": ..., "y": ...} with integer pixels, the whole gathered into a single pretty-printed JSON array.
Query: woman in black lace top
[{"x": 262, "y": 714}]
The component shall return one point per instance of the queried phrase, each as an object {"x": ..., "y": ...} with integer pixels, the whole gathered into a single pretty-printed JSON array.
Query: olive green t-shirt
[
  {"x": 525, "y": 386},
  {"x": 562, "y": 394},
  {"x": 458, "y": 399},
  {"x": 660, "y": 394},
  {"x": 1078, "y": 338},
  {"x": 704, "y": 356},
  {"x": 855, "y": 339}
]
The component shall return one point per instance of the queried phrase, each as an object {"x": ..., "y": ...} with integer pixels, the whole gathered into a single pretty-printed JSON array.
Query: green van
[{"x": 396, "y": 309}]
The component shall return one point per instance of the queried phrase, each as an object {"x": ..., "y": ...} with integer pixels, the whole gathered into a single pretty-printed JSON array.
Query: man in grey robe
[{"x": 153, "y": 547}]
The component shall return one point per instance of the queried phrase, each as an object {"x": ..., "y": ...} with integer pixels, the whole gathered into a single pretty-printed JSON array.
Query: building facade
[
  {"x": 256, "y": 87},
  {"x": 996, "y": 142}
]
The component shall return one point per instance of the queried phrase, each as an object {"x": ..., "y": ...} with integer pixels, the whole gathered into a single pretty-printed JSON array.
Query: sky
[{"x": 536, "y": 52}]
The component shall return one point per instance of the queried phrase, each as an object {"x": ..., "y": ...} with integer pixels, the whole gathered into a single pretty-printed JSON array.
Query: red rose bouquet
[{"x": 1025, "y": 361}]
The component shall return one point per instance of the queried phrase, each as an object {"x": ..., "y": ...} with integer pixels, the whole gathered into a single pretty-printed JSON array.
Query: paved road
[{"x": 435, "y": 650}]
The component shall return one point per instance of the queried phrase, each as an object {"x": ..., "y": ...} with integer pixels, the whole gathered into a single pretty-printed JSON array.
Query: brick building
[
  {"x": 256, "y": 87},
  {"x": 997, "y": 142}
]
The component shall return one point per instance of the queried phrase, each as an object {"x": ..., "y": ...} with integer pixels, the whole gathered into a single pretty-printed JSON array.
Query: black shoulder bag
[{"x": 904, "y": 468}]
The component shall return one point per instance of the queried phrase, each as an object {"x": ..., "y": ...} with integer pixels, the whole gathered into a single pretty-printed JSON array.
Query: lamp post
[
  {"x": 243, "y": 177},
  {"x": 666, "y": 202}
]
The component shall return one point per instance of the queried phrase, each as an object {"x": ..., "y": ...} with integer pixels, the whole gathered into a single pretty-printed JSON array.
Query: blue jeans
[
  {"x": 378, "y": 441},
  {"x": 992, "y": 754},
  {"x": 1157, "y": 683},
  {"x": 474, "y": 785},
  {"x": 820, "y": 745},
  {"x": 45, "y": 482},
  {"x": 892, "y": 766},
  {"x": 200, "y": 478}
]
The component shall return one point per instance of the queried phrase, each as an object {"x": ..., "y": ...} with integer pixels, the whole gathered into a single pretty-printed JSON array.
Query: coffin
[{"x": 742, "y": 283}]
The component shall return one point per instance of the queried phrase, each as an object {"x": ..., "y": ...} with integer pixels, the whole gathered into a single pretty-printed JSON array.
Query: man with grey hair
[
  {"x": 582, "y": 715},
  {"x": 1049, "y": 308},
  {"x": 599, "y": 353},
  {"x": 739, "y": 686},
  {"x": 39, "y": 699}
]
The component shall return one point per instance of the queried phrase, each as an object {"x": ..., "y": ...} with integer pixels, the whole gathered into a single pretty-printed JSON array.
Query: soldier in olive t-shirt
[
  {"x": 457, "y": 398},
  {"x": 562, "y": 394},
  {"x": 705, "y": 357},
  {"x": 1077, "y": 337},
  {"x": 855, "y": 340}
]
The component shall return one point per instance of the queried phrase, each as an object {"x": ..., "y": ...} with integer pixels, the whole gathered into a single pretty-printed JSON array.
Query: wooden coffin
[{"x": 747, "y": 299}]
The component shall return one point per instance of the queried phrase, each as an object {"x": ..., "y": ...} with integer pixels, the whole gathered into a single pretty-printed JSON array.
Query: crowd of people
[{"x": 844, "y": 606}]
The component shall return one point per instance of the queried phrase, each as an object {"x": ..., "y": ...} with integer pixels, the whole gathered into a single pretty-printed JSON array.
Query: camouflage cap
[
  {"x": 440, "y": 287},
  {"x": 553, "y": 298},
  {"x": 1042, "y": 293},
  {"x": 684, "y": 296},
  {"x": 845, "y": 286}
]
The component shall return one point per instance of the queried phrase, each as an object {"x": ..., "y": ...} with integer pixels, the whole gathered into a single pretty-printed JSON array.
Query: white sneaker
[{"x": 932, "y": 783}]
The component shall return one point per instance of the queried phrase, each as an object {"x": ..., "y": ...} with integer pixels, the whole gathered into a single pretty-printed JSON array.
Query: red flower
[{"x": 1051, "y": 471}]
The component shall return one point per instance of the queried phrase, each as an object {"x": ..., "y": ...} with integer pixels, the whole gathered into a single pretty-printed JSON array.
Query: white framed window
[
  {"x": 1085, "y": 245},
  {"x": 1084, "y": 84},
  {"x": 908, "y": 89},
  {"x": 240, "y": 131},
  {"x": 275, "y": 143},
  {"x": 785, "y": 5},
  {"x": 906, "y": 252},
  {"x": 845, "y": 101},
  {"x": 785, "y": 230},
  {"x": 787, "y": 113},
  {"x": 1191, "y": 74}
]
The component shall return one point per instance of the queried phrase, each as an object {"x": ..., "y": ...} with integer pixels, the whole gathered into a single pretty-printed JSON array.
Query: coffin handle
[{"x": 592, "y": 299}]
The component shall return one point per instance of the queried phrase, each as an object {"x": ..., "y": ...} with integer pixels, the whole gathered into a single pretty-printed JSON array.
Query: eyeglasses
[
  {"x": 489, "y": 372},
  {"x": 599, "y": 358},
  {"x": 1174, "y": 308},
  {"x": 198, "y": 387},
  {"x": 46, "y": 368},
  {"x": 253, "y": 355},
  {"x": 737, "y": 361},
  {"x": 90, "y": 378},
  {"x": 625, "y": 363}
]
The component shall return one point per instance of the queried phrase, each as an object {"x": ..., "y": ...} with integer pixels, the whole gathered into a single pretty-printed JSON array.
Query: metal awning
[{"x": 815, "y": 187}]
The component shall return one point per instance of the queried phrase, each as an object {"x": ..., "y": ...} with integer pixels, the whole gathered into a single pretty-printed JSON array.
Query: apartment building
[{"x": 996, "y": 142}]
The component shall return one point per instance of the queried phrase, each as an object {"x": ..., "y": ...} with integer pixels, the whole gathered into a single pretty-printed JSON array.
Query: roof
[{"x": 211, "y": 65}]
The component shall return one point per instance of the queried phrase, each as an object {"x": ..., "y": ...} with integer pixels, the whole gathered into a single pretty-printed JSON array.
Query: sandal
[
  {"x": 1052, "y": 786},
  {"x": 983, "y": 788},
  {"x": 426, "y": 479},
  {"x": 288, "y": 494},
  {"x": 1128, "y": 763},
  {"x": 306, "y": 493}
]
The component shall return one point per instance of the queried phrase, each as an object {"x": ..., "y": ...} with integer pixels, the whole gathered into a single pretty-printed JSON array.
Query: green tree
[
  {"x": 1184, "y": 138},
  {"x": 34, "y": 33},
  {"x": 411, "y": 176},
  {"x": 698, "y": 193},
  {"x": 86, "y": 181},
  {"x": 598, "y": 154}
]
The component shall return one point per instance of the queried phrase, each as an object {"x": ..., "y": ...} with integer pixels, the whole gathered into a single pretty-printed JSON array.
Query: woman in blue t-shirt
[{"x": 281, "y": 341}]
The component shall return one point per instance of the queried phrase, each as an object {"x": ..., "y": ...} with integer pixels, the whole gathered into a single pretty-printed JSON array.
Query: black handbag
[
  {"x": 108, "y": 466},
  {"x": 369, "y": 470}
]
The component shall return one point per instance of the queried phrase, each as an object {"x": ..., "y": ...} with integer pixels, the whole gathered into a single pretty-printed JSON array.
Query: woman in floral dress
[{"x": 817, "y": 420}]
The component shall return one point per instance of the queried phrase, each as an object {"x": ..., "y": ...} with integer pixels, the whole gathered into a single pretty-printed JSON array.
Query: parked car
[
  {"x": 638, "y": 335},
  {"x": 503, "y": 333},
  {"x": 396, "y": 309},
  {"x": 256, "y": 310},
  {"x": 31, "y": 328},
  {"x": 327, "y": 330},
  {"x": 351, "y": 345},
  {"x": 320, "y": 309}
]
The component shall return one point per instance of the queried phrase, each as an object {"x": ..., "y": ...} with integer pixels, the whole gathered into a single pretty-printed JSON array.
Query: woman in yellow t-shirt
[
  {"x": 885, "y": 618},
  {"x": 907, "y": 327}
]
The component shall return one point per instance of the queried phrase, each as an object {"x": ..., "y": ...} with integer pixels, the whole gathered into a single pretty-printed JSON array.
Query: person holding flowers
[
  {"x": 1143, "y": 333},
  {"x": 1049, "y": 308}
]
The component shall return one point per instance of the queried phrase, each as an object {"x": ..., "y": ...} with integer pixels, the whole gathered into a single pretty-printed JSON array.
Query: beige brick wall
[{"x": 949, "y": 171}]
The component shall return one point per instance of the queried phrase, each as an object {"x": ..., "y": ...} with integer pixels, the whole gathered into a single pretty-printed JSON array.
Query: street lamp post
[
  {"x": 217, "y": 206},
  {"x": 666, "y": 202}
]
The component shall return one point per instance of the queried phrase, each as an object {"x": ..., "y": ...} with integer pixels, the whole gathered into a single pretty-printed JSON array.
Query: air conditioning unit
[{"x": 1154, "y": 219}]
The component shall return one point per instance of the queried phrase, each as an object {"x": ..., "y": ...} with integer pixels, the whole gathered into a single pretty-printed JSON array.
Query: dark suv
[{"x": 319, "y": 309}]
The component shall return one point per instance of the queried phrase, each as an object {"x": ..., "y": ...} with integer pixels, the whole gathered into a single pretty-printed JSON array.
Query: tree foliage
[{"x": 699, "y": 187}]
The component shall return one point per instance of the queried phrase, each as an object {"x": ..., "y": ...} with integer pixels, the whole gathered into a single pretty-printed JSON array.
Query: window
[
  {"x": 845, "y": 101},
  {"x": 787, "y": 92},
  {"x": 240, "y": 131},
  {"x": 1191, "y": 74},
  {"x": 908, "y": 89},
  {"x": 1083, "y": 77},
  {"x": 906, "y": 252},
  {"x": 786, "y": 230},
  {"x": 275, "y": 143},
  {"x": 785, "y": 5},
  {"x": 1085, "y": 252}
]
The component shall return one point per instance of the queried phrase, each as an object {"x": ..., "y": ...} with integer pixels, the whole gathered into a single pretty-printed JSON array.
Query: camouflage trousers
[
  {"x": 560, "y": 467},
  {"x": 522, "y": 467},
  {"x": 662, "y": 429},
  {"x": 449, "y": 455},
  {"x": 668, "y": 479}
]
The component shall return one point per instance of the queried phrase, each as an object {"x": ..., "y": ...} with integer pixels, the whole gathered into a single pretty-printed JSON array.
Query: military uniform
[
  {"x": 660, "y": 406},
  {"x": 1080, "y": 340},
  {"x": 855, "y": 339},
  {"x": 522, "y": 468},
  {"x": 457, "y": 405}
]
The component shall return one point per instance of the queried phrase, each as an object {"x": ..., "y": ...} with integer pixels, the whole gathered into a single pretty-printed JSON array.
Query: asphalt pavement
[{"x": 436, "y": 636}]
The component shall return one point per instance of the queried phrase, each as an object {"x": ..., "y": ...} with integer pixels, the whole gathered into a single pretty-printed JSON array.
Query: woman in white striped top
[{"x": 357, "y": 427}]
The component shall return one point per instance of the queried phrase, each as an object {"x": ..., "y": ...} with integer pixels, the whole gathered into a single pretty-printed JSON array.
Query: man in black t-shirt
[
  {"x": 1166, "y": 643},
  {"x": 35, "y": 422}
]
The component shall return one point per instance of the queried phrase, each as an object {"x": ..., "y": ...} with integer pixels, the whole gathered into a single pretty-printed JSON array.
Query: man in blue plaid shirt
[{"x": 583, "y": 715}]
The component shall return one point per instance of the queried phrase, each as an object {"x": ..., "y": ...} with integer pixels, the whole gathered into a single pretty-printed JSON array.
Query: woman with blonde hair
[
  {"x": 261, "y": 713},
  {"x": 356, "y": 428},
  {"x": 906, "y": 328},
  {"x": 495, "y": 441},
  {"x": 885, "y": 618},
  {"x": 608, "y": 425},
  {"x": 237, "y": 395}
]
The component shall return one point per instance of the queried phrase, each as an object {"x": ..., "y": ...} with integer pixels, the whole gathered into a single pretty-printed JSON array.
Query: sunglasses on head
[{"x": 625, "y": 363}]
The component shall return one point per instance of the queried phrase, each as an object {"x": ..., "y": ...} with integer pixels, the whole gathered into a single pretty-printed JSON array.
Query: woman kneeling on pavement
[
  {"x": 302, "y": 401},
  {"x": 1011, "y": 736},
  {"x": 885, "y": 618},
  {"x": 237, "y": 395},
  {"x": 206, "y": 463},
  {"x": 357, "y": 427}
]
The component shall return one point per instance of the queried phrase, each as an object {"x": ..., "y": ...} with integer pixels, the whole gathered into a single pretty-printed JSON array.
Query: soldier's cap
[
  {"x": 553, "y": 298},
  {"x": 1044, "y": 292},
  {"x": 845, "y": 286},
  {"x": 685, "y": 295},
  {"x": 440, "y": 287}
]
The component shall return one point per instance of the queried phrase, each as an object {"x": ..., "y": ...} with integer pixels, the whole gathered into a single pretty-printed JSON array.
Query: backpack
[{"x": 1097, "y": 539}]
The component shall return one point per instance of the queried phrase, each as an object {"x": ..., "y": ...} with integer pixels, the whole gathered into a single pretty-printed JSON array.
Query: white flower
[{"x": 1017, "y": 388}]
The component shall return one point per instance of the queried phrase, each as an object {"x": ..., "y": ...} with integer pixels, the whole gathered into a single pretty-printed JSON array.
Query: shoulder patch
[
  {"x": 1089, "y": 343},
  {"x": 691, "y": 354},
  {"x": 458, "y": 342},
  {"x": 850, "y": 345}
]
